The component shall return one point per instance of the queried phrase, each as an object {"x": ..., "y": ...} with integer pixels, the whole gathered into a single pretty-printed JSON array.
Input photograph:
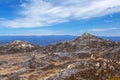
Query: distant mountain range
[
  {"x": 45, "y": 40},
  {"x": 38, "y": 40}
]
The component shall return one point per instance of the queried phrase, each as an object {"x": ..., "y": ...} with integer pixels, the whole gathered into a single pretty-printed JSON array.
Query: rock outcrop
[{"x": 17, "y": 47}]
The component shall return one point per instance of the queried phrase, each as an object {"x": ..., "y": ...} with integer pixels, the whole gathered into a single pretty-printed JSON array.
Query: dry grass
[
  {"x": 28, "y": 75},
  {"x": 56, "y": 63},
  {"x": 40, "y": 76},
  {"x": 115, "y": 78},
  {"x": 12, "y": 57},
  {"x": 49, "y": 73},
  {"x": 10, "y": 69}
]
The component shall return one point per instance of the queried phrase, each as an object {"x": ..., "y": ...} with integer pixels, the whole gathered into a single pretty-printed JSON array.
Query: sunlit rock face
[{"x": 85, "y": 58}]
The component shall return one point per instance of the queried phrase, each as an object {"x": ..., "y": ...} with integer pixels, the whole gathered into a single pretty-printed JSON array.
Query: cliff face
[{"x": 85, "y": 58}]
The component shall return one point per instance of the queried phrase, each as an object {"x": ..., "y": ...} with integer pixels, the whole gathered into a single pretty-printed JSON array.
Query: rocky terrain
[
  {"x": 17, "y": 47},
  {"x": 85, "y": 58}
]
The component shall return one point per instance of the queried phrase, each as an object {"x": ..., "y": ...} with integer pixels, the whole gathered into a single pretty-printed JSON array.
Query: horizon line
[{"x": 62, "y": 35}]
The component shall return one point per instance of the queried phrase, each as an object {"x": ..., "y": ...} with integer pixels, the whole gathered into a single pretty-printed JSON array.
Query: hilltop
[{"x": 17, "y": 46}]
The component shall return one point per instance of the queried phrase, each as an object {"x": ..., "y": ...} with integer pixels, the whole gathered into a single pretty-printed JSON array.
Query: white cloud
[
  {"x": 104, "y": 29},
  {"x": 39, "y": 13}
]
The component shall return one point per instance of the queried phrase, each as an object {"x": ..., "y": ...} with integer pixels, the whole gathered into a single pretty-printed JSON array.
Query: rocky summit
[
  {"x": 17, "y": 47},
  {"x": 85, "y": 58}
]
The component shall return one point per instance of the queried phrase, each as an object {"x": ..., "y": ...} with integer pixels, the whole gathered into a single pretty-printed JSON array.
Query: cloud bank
[{"x": 40, "y": 13}]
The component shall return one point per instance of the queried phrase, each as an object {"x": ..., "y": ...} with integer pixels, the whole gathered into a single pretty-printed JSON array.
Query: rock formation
[{"x": 17, "y": 47}]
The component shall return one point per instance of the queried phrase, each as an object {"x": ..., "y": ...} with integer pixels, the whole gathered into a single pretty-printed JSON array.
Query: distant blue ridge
[
  {"x": 38, "y": 40},
  {"x": 45, "y": 40}
]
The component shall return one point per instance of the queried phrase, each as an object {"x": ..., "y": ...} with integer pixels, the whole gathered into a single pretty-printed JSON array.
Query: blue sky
[{"x": 60, "y": 17}]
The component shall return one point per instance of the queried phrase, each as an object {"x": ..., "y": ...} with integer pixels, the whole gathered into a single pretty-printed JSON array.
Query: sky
[{"x": 60, "y": 17}]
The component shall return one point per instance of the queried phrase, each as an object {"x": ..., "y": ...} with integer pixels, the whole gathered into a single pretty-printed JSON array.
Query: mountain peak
[
  {"x": 18, "y": 46},
  {"x": 86, "y": 36},
  {"x": 18, "y": 42}
]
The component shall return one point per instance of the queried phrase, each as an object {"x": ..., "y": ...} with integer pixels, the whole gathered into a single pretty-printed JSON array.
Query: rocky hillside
[
  {"x": 85, "y": 58},
  {"x": 86, "y": 43},
  {"x": 17, "y": 47}
]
